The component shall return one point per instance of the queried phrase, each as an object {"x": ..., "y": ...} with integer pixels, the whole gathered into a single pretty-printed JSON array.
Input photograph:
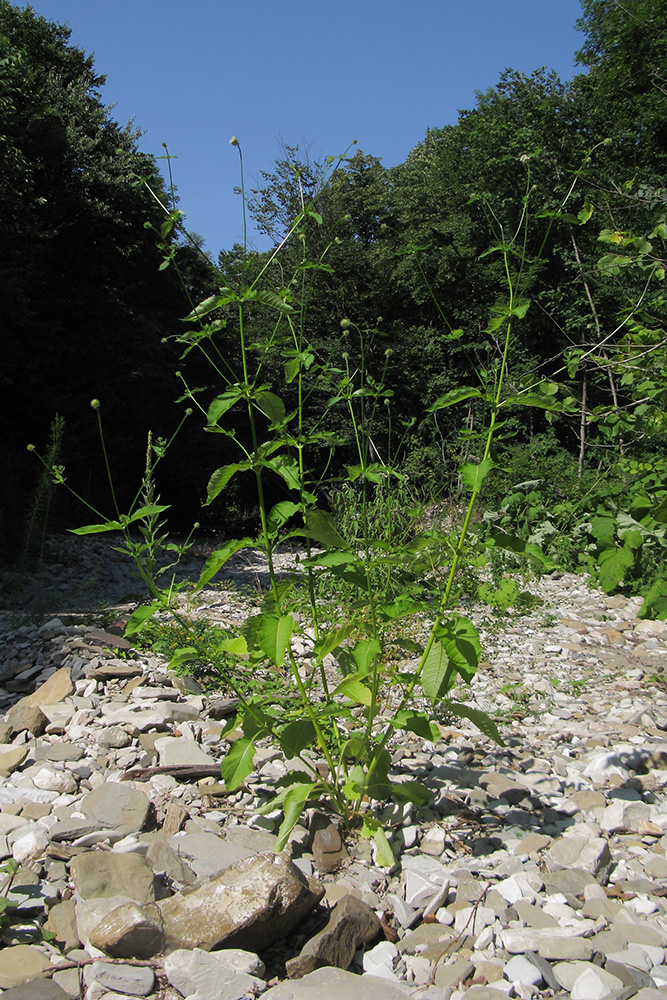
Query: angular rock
[
  {"x": 328, "y": 848},
  {"x": 215, "y": 975},
  {"x": 62, "y": 922},
  {"x": 135, "y": 981},
  {"x": 250, "y": 905},
  {"x": 12, "y": 758},
  {"x": 352, "y": 924},
  {"x": 129, "y": 931},
  {"x": 591, "y": 854}
]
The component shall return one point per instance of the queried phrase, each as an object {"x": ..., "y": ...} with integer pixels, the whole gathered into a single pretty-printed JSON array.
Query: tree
[{"x": 85, "y": 306}]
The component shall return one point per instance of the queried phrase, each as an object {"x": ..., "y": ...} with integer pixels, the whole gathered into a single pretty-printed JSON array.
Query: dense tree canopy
[{"x": 567, "y": 174}]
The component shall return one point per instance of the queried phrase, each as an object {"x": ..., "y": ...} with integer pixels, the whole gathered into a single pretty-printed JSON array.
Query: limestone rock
[
  {"x": 250, "y": 905},
  {"x": 330, "y": 984},
  {"x": 20, "y": 963}
]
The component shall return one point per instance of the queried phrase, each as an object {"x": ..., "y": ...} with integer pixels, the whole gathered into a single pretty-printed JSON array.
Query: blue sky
[{"x": 192, "y": 73}]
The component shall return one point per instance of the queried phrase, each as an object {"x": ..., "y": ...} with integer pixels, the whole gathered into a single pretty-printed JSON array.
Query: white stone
[
  {"x": 594, "y": 984},
  {"x": 520, "y": 970}
]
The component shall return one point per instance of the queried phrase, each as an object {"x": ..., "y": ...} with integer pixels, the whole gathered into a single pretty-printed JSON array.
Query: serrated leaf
[
  {"x": 480, "y": 719},
  {"x": 221, "y": 477},
  {"x": 272, "y": 406},
  {"x": 364, "y": 652},
  {"x": 221, "y": 404},
  {"x": 217, "y": 559},
  {"x": 288, "y": 468},
  {"x": 185, "y": 655},
  {"x": 438, "y": 673},
  {"x": 279, "y": 514},
  {"x": 321, "y": 527},
  {"x": 96, "y": 529},
  {"x": 460, "y": 640},
  {"x": 330, "y": 640},
  {"x": 296, "y": 736},
  {"x": 612, "y": 566},
  {"x": 237, "y": 763}
]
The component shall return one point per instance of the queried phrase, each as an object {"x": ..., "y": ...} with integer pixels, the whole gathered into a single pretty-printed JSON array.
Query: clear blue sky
[{"x": 192, "y": 73}]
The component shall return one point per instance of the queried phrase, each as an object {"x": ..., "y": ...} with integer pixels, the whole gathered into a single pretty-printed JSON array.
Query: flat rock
[
  {"x": 129, "y": 931},
  {"x": 20, "y": 963},
  {"x": 117, "y": 806},
  {"x": 332, "y": 984},
  {"x": 102, "y": 874}
]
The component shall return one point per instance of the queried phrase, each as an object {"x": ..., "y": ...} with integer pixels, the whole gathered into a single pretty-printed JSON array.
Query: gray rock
[
  {"x": 210, "y": 976},
  {"x": 331, "y": 984},
  {"x": 207, "y": 853},
  {"x": 117, "y": 806},
  {"x": 37, "y": 989},
  {"x": 136, "y": 981},
  {"x": 101, "y": 874}
]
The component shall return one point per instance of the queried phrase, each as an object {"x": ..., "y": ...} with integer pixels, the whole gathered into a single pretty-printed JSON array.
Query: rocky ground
[{"x": 539, "y": 869}]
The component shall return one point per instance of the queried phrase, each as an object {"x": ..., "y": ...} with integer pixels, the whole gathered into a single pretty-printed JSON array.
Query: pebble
[{"x": 537, "y": 869}]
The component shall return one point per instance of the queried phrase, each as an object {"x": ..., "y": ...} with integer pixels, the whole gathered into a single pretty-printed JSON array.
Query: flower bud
[
  {"x": 95, "y": 403},
  {"x": 233, "y": 141},
  {"x": 345, "y": 324},
  {"x": 31, "y": 447}
]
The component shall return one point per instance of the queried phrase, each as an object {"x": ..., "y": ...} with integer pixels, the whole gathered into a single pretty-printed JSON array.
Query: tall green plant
[{"x": 337, "y": 729}]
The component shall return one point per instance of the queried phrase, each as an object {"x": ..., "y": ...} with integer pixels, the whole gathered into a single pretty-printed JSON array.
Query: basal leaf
[
  {"x": 237, "y": 763},
  {"x": 371, "y": 828}
]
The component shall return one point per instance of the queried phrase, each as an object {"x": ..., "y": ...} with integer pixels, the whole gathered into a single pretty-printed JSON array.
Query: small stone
[{"x": 135, "y": 981}]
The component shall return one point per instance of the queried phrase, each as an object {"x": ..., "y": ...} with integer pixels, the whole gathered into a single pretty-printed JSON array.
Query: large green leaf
[
  {"x": 96, "y": 529},
  {"x": 139, "y": 617},
  {"x": 328, "y": 641},
  {"x": 221, "y": 477},
  {"x": 272, "y": 406},
  {"x": 217, "y": 559},
  {"x": 416, "y": 722},
  {"x": 474, "y": 475},
  {"x": 184, "y": 655},
  {"x": 221, "y": 404},
  {"x": 438, "y": 673},
  {"x": 372, "y": 829},
  {"x": 296, "y": 736},
  {"x": 655, "y": 602},
  {"x": 273, "y": 635},
  {"x": 612, "y": 566},
  {"x": 353, "y": 688},
  {"x": 321, "y": 527},
  {"x": 364, "y": 652},
  {"x": 460, "y": 640},
  {"x": 279, "y": 514},
  {"x": 237, "y": 763}
]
